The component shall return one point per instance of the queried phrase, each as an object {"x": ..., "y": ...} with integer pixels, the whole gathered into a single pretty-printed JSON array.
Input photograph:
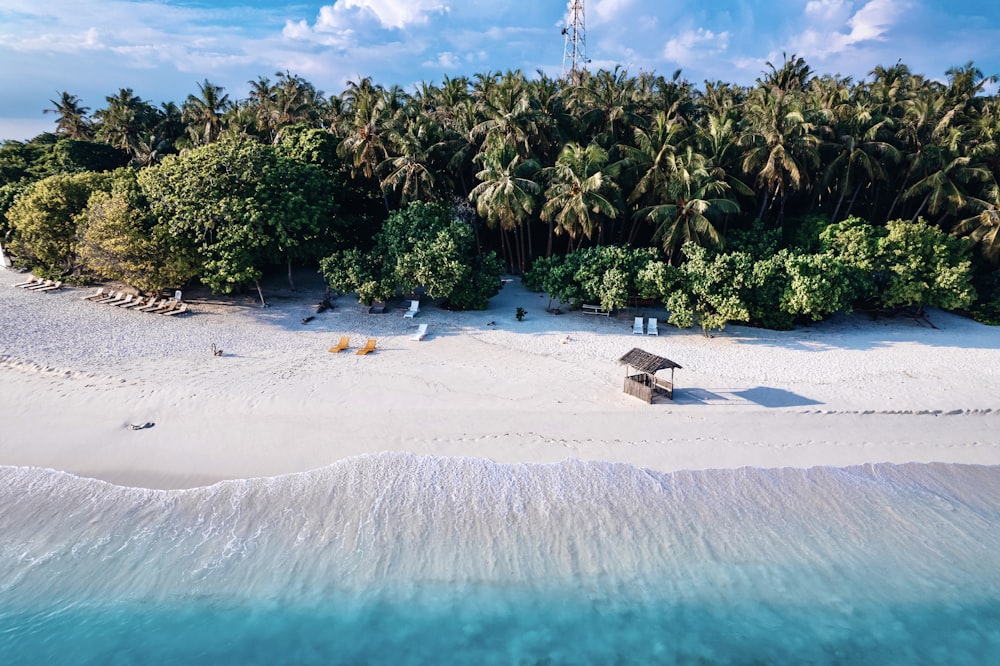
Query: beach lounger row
[
  {"x": 652, "y": 329},
  {"x": 345, "y": 342},
  {"x": 164, "y": 306},
  {"x": 36, "y": 284}
]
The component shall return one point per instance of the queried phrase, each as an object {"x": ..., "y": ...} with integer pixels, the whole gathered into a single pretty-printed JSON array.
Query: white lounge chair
[
  {"x": 128, "y": 300},
  {"x": 51, "y": 287},
  {"x": 42, "y": 284},
  {"x": 181, "y": 307},
  {"x": 421, "y": 332},
  {"x": 112, "y": 296},
  {"x": 137, "y": 302},
  {"x": 168, "y": 307},
  {"x": 30, "y": 282},
  {"x": 637, "y": 326},
  {"x": 651, "y": 328},
  {"x": 122, "y": 298},
  {"x": 101, "y": 293},
  {"x": 414, "y": 309},
  {"x": 155, "y": 305}
]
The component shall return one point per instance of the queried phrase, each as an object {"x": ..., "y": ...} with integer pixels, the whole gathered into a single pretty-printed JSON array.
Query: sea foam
[{"x": 394, "y": 558}]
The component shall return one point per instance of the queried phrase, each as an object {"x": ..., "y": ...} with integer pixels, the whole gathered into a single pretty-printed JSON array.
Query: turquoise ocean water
[{"x": 398, "y": 559}]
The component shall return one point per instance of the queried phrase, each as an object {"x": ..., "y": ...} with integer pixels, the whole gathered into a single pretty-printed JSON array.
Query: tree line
[{"x": 549, "y": 167}]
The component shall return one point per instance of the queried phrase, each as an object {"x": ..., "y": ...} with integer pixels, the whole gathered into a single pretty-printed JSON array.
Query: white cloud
[
  {"x": 874, "y": 19},
  {"x": 607, "y": 11},
  {"x": 692, "y": 45},
  {"x": 394, "y": 14},
  {"x": 829, "y": 11},
  {"x": 445, "y": 60},
  {"x": 834, "y": 26}
]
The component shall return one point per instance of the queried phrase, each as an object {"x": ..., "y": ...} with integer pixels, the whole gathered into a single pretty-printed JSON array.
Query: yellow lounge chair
[
  {"x": 342, "y": 345},
  {"x": 368, "y": 348}
]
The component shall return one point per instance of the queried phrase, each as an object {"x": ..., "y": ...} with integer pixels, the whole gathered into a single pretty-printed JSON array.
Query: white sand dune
[{"x": 74, "y": 375}]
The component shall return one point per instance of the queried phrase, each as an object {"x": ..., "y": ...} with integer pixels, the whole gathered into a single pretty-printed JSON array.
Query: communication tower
[{"x": 575, "y": 49}]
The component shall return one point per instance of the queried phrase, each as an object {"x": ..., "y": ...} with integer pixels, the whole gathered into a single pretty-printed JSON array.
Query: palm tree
[
  {"x": 860, "y": 154},
  {"x": 127, "y": 121},
  {"x": 715, "y": 136},
  {"x": 452, "y": 94},
  {"x": 241, "y": 121},
  {"x": 929, "y": 136},
  {"x": 204, "y": 113},
  {"x": 966, "y": 82},
  {"x": 794, "y": 74},
  {"x": 605, "y": 103},
  {"x": 943, "y": 188},
  {"x": 655, "y": 94},
  {"x": 581, "y": 192},
  {"x": 781, "y": 148},
  {"x": 695, "y": 193},
  {"x": 293, "y": 100},
  {"x": 890, "y": 87},
  {"x": 650, "y": 159},
  {"x": 260, "y": 100},
  {"x": 983, "y": 229},
  {"x": 72, "y": 121},
  {"x": 507, "y": 191},
  {"x": 365, "y": 130},
  {"x": 510, "y": 113},
  {"x": 410, "y": 165},
  {"x": 461, "y": 142},
  {"x": 556, "y": 122}
]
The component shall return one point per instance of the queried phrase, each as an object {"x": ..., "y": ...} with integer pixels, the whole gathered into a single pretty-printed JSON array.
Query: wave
[{"x": 418, "y": 539}]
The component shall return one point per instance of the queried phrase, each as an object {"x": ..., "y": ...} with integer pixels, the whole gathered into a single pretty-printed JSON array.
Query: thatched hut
[{"x": 640, "y": 375}]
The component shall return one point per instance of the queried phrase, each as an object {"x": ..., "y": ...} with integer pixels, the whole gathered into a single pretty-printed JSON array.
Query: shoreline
[{"x": 75, "y": 374}]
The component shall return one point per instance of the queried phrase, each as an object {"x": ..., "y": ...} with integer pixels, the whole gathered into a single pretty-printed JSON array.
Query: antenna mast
[{"x": 575, "y": 49}]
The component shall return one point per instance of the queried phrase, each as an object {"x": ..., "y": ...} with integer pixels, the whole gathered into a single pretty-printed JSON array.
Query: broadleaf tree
[{"x": 241, "y": 205}]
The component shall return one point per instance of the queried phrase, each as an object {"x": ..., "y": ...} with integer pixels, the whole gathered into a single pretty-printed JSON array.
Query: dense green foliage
[
  {"x": 903, "y": 265},
  {"x": 897, "y": 165},
  {"x": 605, "y": 275},
  {"x": 238, "y": 205},
  {"x": 119, "y": 239},
  {"x": 44, "y": 220},
  {"x": 422, "y": 245}
]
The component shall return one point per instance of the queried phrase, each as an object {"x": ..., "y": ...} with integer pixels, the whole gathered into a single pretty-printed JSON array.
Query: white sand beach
[{"x": 75, "y": 374}]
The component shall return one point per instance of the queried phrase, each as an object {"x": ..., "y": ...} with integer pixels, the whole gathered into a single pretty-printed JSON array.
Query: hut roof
[{"x": 646, "y": 362}]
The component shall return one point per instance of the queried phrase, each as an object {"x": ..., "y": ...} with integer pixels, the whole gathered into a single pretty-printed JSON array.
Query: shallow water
[{"x": 399, "y": 559}]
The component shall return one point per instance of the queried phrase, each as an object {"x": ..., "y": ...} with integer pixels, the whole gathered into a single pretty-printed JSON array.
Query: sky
[{"x": 162, "y": 49}]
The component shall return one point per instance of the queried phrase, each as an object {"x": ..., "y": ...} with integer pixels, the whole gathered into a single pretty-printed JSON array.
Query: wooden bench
[{"x": 595, "y": 310}]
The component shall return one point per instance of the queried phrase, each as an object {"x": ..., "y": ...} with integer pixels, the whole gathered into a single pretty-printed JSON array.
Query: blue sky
[{"x": 163, "y": 48}]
